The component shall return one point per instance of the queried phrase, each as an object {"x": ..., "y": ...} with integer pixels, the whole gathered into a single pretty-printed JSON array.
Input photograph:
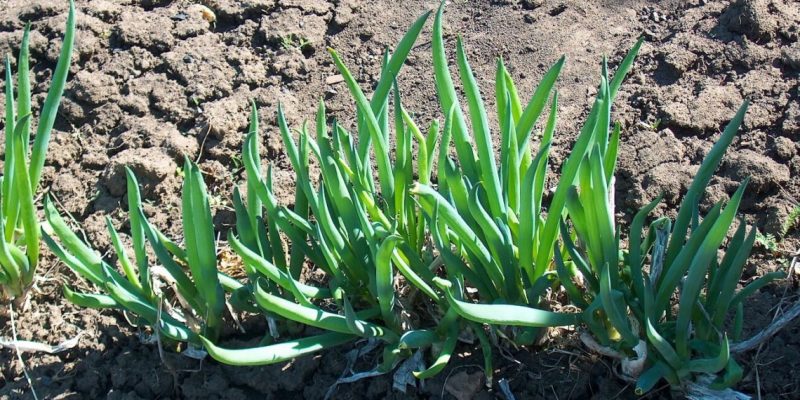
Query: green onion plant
[
  {"x": 488, "y": 220},
  {"x": 354, "y": 225},
  {"x": 182, "y": 295},
  {"x": 22, "y": 165},
  {"x": 358, "y": 230},
  {"x": 627, "y": 295},
  {"x": 473, "y": 244}
]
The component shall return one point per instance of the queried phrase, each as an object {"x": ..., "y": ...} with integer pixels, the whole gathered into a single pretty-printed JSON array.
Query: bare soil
[{"x": 153, "y": 81}]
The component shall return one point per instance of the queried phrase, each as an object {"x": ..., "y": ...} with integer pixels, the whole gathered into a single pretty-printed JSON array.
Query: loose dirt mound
[{"x": 155, "y": 80}]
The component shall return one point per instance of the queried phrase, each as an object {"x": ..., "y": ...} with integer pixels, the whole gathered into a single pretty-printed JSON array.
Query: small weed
[
  {"x": 237, "y": 162},
  {"x": 767, "y": 241},
  {"x": 295, "y": 41},
  {"x": 196, "y": 103},
  {"x": 655, "y": 125},
  {"x": 791, "y": 221}
]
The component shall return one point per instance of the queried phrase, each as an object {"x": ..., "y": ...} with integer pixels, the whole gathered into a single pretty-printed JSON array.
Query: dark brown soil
[{"x": 152, "y": 80}]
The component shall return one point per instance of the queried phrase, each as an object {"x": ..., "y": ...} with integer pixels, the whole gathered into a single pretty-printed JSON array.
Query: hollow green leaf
[
  {"x": 128, "y": 298},
  {"x": 700, "y": 182},
  {"x": 714, "y": 364},
  {"x": 480, "y": 126},
  {"x": 448, "y": 99},
  {"x": 635, "y": 259},
  {"x": 624, "y": 68},
  {"x": 651, "y": 376},
  {"x": 24, "y": 88},
  {"x": 74, "y": 253},
  {"x": 89, "y": 300},
  {"x": 9, "y": 218},
  {"x": 530, "y": 202},
  {"x": 720, "y": 295},
  {"x": 275, "y": 353},
  {"x": 183, "y": 283},
  {"x": 536, "y": 105},
  {"x": 672, "y": 273},
  {"x": 614, "y": 307},
  {"x": 316, "y": 317},
  {"x": 381, "y": 147},
  {"x": 269, "y": 270},
  {"x": 699, "y": 265},
  {"x": 398, "y": 58},
  {"x": 429, "y": 199},
  {"x": 384, "y": 278},
  {"x": 27, "y": 210},
  {"x": 417, "y": 338},
  {"x": 137, "y": 232},
  {"x": 52, "y": 101},
  {"x": 122, "y": 255},
  {"x": 505, "y": 314},
  {"x": 443, "y": 358},
  {"x": 755, "y": 285},
  {"x": 733, "y": 374}
]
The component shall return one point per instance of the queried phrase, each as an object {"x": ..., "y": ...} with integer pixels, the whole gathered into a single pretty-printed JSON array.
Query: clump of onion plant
[
  {"x": 627, "y": 296},
  {"x": 488, "y": 220},
  {"x": 354, "y": 227},
  {"x": 22, "y": 166},
  {"x": 181, "y": 295}
]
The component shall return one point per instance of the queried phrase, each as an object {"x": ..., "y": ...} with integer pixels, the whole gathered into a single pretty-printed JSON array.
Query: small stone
[
  {"x": 205, "y": 12},
  {"x": 532, "y": 4},
  {"x": 334, "y": 79},
  {"x": 529, "y": 18}
]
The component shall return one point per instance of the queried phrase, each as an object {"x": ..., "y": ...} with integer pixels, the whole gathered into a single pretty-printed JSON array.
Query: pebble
[
  {"x": 658, "y": 17},
  {"x": 334, "y": 79},
  {"x": 532, "y": 4}
]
